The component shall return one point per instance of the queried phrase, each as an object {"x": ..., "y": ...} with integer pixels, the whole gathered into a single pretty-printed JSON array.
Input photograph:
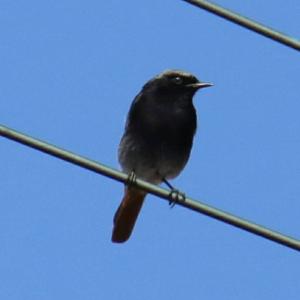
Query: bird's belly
[{"x": 152, "y": 162}]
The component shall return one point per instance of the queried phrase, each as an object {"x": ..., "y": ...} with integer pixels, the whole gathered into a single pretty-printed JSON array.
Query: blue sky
[{"x": 69, "y": 71}]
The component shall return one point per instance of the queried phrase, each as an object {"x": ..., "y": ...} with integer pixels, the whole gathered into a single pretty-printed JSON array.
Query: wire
[
  {"x": 150, "y": 188},
  {"x": 245, "y": 22}
]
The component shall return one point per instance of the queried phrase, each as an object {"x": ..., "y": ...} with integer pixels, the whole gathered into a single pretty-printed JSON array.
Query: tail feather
[{"x": 126, "y": 214}]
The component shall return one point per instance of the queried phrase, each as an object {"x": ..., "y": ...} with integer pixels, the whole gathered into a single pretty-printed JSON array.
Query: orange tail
[{"x": 127, "y": 214}]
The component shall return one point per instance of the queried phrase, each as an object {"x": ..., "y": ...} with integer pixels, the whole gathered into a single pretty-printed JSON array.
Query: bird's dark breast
[{"x": 170, "y": 126}]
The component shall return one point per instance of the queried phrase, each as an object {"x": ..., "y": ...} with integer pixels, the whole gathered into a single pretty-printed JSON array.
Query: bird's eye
[{"x": 178, "y": 80}]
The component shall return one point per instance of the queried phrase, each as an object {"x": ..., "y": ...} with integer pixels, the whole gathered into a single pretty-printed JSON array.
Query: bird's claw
[
  {"x": 131, "y": 179},
  {"x": 175, "y": 196}
]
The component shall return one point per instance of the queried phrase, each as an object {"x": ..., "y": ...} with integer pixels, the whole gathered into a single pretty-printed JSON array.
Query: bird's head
[{"x": 175, "y": 82}]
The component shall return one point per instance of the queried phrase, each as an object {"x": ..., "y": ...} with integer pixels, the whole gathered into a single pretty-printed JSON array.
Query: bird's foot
[
  {"x": 175, "y": 195},
  {"x": 131, "y": 179}
]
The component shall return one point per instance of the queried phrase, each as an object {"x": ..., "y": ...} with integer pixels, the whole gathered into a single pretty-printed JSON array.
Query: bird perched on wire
[{"x": 157, "y": 141}]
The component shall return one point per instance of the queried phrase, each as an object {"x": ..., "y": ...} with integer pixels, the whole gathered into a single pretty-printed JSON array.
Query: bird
[{"x": 157, "y": 141}]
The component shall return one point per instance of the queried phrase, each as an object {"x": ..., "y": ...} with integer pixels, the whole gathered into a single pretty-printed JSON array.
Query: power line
[
  {"x": 150, "y": 188},
  {"x": 245, "y": 22}
]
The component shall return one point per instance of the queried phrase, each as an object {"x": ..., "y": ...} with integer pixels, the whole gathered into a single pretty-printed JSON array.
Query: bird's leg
[
  {"x": 175, "y": 195},
  {"x": 166, "y": 182}
]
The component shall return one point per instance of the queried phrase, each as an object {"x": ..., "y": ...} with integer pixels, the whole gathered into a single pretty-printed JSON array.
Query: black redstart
[{"x": 158, "y": 138}]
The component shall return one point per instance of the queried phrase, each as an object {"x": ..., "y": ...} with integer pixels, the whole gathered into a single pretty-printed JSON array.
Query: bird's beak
[{"x": 200, "y": 85}]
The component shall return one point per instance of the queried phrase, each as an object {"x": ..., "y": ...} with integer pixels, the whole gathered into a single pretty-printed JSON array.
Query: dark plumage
[{"x": 158, "y": 138}]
